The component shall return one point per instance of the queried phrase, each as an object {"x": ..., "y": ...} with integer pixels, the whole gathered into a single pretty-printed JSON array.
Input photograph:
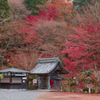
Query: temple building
[
  {"x": 13, "y": 78},
  {"x": 48, "y": 71}
]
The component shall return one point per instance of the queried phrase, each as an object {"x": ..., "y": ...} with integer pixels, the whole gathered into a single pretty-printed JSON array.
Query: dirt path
[{"x": 67, "y": 96}]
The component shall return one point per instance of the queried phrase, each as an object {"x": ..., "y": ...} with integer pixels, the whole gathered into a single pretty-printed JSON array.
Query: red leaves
[
  {"x": 29, "y": 33},
  {"x": 82, "y": 48},
  {"x": 49, "y": 14},
  {"x": 80, "y": 86}
]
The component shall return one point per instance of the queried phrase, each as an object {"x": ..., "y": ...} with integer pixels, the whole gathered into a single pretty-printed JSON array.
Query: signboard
[
  {"x": 34, "y": 81},
  {"x": 20, "y": 74},
  {"x": 24, "y": 78}
]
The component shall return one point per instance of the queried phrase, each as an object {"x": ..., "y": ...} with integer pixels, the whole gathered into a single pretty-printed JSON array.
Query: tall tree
[
  {"x": 90, "y": 15},
  {"x": 82, "y": 49},
  {"x": 45, "y": 28},
  {"x": 41, "y": 35},
  {"x": 4, "y": 7},
  {"x": 33, "y": 5},
  {"x": 64, "y": 9},
  {"x": 18, "y": 10},
  {"x": 78, "y": 4}
]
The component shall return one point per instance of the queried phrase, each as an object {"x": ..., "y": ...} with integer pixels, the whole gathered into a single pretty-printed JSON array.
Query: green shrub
[
  {"x": 72, "y": 84},
  {"x": 1, "y": 76},
  {"x": 88, "y": 73},
  {"x": 32, "y": 5},
  {"x": 93, "y": 90},
  {"x": 4, "y": 9},
  {"x": 85, "y": 89},
  {"x": 32, "y": 87},
  {"x": 85, "y": 92}
]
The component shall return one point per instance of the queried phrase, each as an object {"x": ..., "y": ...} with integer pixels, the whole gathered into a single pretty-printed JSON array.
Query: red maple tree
[{"x": 81, "y": 50}]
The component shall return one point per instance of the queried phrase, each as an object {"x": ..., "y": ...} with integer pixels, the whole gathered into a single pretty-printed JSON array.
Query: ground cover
[{"x": 67, "y": 96}]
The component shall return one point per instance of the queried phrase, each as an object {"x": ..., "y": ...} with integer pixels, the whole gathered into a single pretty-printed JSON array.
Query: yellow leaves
[{"x": 9, "y": 64}]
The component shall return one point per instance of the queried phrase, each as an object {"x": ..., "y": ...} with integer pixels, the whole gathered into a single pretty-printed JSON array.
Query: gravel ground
[{"x": 19, "y": 94}]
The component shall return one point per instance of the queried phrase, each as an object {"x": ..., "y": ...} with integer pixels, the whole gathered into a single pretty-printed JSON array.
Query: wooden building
[
  {"x": 48, "y": 72},
  {"x": 13, "y": 78}
]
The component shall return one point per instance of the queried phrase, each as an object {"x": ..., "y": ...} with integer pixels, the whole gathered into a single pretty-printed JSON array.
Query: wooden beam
[
  {"x": 27, "y": 76},
  {"x": 39, "y": 82},
  {"x": 49, "y": 87},
  {"x": 10, "y": 77}
]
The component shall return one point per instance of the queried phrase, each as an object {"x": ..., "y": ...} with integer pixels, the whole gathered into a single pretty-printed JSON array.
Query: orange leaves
[
  {"x": 64, "y": 9},
  {"x": 1, "y": 40},
  {"x": 63, "y": 5}
]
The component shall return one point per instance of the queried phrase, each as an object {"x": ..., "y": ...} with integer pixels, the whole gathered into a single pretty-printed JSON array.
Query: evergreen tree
[
  {"x": 32, "y": 5},
  {"x": 4, "y": 7}
]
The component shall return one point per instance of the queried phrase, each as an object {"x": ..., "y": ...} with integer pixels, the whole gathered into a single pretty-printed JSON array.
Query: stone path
[{"x": 19, "y": 94}]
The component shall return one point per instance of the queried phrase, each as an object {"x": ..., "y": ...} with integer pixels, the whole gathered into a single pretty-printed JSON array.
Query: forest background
[{"x": 70, "y": 30}]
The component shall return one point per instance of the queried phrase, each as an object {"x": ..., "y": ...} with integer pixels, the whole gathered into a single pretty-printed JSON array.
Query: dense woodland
[{"x": 32, "y": 29}]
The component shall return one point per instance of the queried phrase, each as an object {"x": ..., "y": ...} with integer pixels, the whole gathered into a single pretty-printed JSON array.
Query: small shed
[
  {"x": 48, "y": 71},
  {"x": 13, "y": 78}
]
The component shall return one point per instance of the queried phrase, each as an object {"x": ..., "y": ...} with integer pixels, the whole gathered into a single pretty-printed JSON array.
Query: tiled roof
[
  {"x": 45, "y": 66},
  {"x": 13, "y": 70}
]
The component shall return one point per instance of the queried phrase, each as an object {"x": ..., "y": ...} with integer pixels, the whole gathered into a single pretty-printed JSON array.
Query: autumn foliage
[
  {"x": 81, "y": 50},
  {"x": 58, "y": 30}
]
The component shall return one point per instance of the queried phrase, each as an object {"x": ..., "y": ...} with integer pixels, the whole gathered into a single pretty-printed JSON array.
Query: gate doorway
[{"x": 42, "y": 82}]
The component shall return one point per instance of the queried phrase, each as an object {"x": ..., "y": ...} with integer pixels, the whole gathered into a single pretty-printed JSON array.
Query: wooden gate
[{"x": 43, "y": 83}]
